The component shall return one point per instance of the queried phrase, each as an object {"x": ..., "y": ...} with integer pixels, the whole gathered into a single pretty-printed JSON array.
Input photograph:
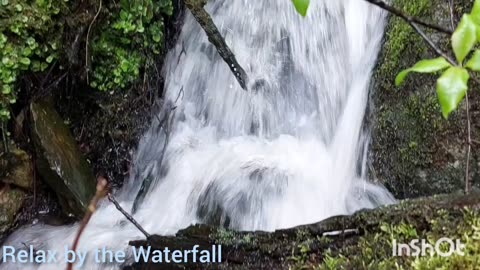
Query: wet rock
[
  {"x": 353, "y": 241},
  {"x": 11, "y": 201},
  {"x": 416, "y": 152},
  {"x": 16, "y": 178},
  {"x": 59, "y": 161},
  {"x": 16, "y": 169}
]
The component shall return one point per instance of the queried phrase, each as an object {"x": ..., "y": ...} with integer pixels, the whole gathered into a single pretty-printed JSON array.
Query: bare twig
[
  {"x": 87, "y": 43},
  {"x": 92, "y": 207},
  {"x": 431, "y": 44},
  {"x": 4, "y": 137},
  {"x": 469, "y": 147},
  {"x": 127, "y": 215},
  {"x": 409, "y": 19},
  {"x": 467, "y": 104},
  {"x": 452, "y": 16}
]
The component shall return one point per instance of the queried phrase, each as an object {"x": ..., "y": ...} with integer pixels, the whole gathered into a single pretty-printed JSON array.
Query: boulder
[
  {"x": 416, "y": 152},
  {"x": 16, "y": 168},
  {"x": 59, "y": 161},
  {"x": 16, "y": 177},
  {"x": 11, "y": 201}
]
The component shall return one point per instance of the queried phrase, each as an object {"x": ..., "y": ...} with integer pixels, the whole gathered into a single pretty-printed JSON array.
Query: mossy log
[
  {"x": 309, "y": 244},
  {"x": 214, "y": 36}
]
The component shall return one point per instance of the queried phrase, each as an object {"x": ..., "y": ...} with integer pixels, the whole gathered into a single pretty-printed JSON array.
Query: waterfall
[{"x": 290, "y": 151}]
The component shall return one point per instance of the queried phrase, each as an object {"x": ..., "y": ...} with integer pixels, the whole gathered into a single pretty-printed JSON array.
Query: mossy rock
[
  {"x": 11, "y": 201},
  {"x": 361, "y": 241},
  {"x": 416, "y": 152},
  {"x": 16, "y": 167},
  {"x": 59, "y": 160}
]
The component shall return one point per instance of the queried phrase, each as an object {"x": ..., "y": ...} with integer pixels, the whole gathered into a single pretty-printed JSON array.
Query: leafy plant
[
  {"x": 452, "y": 85},
  {"x": 133, "y": 34},
  {"x": 28, "y": 42},
  {"x": 31, "y": 37}
]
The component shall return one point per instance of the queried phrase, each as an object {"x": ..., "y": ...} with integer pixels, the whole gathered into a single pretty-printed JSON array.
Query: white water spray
[{"x": 290, "y": 151}]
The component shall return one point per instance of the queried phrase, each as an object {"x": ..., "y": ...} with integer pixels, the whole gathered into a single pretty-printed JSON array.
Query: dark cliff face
[{"x": 416, "y": 152}]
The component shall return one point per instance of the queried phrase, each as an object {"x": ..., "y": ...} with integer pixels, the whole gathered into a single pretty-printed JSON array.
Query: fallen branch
[
  {"x": 92, "y": 207},
  {"x": 409, "y": 19},
  {"x": 214, "y": 36},
  {"x": 127, "y": 215}
]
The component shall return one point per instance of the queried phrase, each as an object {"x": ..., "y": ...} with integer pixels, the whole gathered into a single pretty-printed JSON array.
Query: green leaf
[
  {"x": 25, "y": 61},
  {"x": 464, "y": 38},
  {"x": 474, "y": 62},
  {"x": 40, "y": 3},
  {"x": 424, "y": 66},
  {"x": 301, "y": 6},
  {"x": 4, "y": 112},
  {"x": 475, "y": 14},
  {"x": 49, "y": 59},
  {"x": 451, "y": 89},
  {"x": 7, "y": 89}
]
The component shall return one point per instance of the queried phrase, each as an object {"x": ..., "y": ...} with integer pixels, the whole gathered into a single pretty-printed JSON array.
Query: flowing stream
[{"x": 291, "y": 150}]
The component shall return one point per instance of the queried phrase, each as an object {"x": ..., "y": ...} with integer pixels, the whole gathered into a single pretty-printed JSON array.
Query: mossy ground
[
  {"x": 361, "y": 241},
  {"x": 374, "y": 250},
  {"x": 371, "y": 245}
]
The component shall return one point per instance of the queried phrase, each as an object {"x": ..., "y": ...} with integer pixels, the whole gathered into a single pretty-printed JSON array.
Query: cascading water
[{"x": 289, "y": 151}]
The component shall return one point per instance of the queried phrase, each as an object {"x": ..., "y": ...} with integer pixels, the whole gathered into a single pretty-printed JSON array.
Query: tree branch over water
[
  {"x": 409, "y": 19},
  {"x": 214, "y": 36},
  {"x": 127, "y": 215}
]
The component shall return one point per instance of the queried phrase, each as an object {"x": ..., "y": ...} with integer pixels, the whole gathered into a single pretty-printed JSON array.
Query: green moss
[
  {"x": 400, "y": 36},
  {"x": 122, "y": 42},
  {"x": 127, "y": 43},
  {"x": 30, "y": 40},
  {"x": 232, "y": 238},
  {"x": 374, "y": 250},
  {"x": 416, "y": 151}
]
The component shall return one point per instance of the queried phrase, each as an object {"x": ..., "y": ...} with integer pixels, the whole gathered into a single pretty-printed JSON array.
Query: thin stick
[
  {"x": 4, "y": 137},
  {"x": 88, "y": 35},
  {"x": 92, "y": 207},
  {"x": 410, "y": 19},
  {"x": 469, "y": 147},
  {"x": 452, "y": 16},
  {"x": 431, "y": 44},
  {"x": 127, "y": 215}
]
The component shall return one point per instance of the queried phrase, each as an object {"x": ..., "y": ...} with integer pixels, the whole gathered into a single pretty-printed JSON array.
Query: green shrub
[
  {"x": 124, "y": 37},
  {"x": 131, "y": 35},
  {"x": 29, "y": 41}
]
